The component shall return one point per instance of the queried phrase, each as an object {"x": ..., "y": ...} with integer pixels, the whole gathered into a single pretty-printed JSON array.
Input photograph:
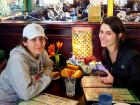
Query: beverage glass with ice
[{"x": 70, "y": 86}]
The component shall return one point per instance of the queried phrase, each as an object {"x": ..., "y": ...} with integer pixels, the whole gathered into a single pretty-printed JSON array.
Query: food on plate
[
  {"x": 77, "y": 74},
  {"x": 66, "y": 72},
  {"x": 74, "y": 67},
  {"x": 55, "y": 74}
]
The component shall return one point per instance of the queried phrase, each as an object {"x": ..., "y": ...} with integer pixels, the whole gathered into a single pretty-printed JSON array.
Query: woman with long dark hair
[{"x": 122, "y": 61}]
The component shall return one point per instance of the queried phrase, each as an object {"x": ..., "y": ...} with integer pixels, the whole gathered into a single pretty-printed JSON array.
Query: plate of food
[
  {"x": 55, "y": 75},
  {"x": 71, "y": 71}
]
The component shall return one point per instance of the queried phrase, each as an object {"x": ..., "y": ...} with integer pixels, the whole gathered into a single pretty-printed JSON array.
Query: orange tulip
[
  {"x": 52, "y": 46},
  {"x": 59, "y": 44},
  {"x": 51, "y": 50},
  {"x": 54, "y": 52},
  {"x": 51, "y": 54}
]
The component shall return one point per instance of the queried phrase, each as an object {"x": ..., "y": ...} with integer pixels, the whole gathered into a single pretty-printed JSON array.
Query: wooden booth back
[{"x": 11, "y": 32}]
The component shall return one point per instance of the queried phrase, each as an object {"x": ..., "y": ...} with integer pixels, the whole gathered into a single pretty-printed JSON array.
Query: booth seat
[
  {"x": 3, "y": 60},
  {"x": 2, "y": 55}
]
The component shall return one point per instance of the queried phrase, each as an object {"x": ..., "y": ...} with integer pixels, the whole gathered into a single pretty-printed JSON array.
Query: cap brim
[{"x": 37, "y": 36}]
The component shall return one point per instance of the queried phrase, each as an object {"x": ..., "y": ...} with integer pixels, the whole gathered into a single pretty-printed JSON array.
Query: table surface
[{"x": 57, "y": 87}]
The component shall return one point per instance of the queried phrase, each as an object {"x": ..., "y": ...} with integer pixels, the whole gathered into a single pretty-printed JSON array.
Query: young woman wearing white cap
[{"x": 24, "y": 77}]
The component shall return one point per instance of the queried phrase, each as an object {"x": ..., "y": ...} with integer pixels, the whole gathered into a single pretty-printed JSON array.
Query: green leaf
[{"x": 57, "y": 59}]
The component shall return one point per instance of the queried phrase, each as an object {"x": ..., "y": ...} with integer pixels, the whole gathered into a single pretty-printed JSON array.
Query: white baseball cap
[{"x": 33, "y": 30}]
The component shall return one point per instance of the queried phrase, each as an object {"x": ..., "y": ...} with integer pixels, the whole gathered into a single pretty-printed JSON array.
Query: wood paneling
[{"x": 11, "y": 32}]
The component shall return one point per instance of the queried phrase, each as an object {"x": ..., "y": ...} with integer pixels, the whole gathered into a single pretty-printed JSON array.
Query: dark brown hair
[
  {"x": 117, "y": 27},
  {"x": 115, "y": 24},
  {"x": 23, "y": 39}
]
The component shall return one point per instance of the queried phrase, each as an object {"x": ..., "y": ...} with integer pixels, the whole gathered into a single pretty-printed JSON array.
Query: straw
[{"x": 67, "y": 76}]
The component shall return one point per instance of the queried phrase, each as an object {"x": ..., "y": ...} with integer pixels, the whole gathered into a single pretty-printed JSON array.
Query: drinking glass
[
  {"x": 70, "y": 86},
  {"x": 105, "y": 99}
]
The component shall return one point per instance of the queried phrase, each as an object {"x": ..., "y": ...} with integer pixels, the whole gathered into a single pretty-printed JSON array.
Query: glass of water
[{"x": 70, "y": 86}]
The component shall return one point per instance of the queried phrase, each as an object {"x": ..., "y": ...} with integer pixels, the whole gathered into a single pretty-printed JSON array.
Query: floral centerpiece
[{"x": 53, "y": 51}]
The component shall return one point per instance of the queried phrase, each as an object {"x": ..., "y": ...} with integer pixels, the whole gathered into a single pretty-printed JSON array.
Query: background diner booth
[{"x": 62, "y": 29}]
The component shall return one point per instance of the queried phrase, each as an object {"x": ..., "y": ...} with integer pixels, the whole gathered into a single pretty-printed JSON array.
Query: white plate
[{"x": 58, "y": 77}]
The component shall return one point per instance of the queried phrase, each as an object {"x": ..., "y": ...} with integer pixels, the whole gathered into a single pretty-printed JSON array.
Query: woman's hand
[
  {"x": 108, "y": 79},
  {"x": 48, "y": 72}
]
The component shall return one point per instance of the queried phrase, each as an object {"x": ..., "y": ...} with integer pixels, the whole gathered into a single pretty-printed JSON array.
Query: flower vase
[{"x": 61, "y": 63}]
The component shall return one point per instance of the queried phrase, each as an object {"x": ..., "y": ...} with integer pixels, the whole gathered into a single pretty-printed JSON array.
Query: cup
[
  {"x": 70, "y": 86},
  {"x": 105, "y": 99}
]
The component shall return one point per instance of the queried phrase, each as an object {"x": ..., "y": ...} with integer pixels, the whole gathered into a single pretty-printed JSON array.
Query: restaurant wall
[{"x": 10, "y": 34}]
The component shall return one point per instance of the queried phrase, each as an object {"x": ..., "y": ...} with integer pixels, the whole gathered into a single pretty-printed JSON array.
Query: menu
[
  {"x": 93, "y": 81},
  {"x": 92, "y": 87},
  {"x": 49, "y": 99},
  {"x": 119, "y": 94}
]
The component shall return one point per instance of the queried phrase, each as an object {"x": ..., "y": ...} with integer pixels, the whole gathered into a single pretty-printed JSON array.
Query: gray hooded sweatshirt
[{"x": 23, "y": 77}]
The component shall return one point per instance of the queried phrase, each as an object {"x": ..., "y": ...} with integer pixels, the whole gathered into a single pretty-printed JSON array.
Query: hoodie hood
[
  {"x": 23, "y": 77},
  {"x": 20, "y": 50}
]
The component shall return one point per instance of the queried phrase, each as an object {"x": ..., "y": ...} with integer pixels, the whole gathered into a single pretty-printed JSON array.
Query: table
[{"x": 57, "y": 87}]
